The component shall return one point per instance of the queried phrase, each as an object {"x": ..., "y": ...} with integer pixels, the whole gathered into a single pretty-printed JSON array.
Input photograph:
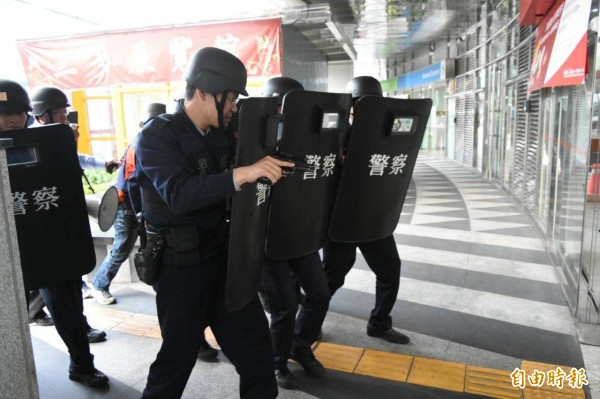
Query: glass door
[
  {"x": 451, "y": 123},
  {"x": 494, "y": 123},
  {"x": 544, "y": 202},
  {"x": 560, "y": 110}
]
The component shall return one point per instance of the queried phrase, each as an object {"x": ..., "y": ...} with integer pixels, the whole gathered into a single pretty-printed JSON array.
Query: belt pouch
[{"x": 148, "y": 260}]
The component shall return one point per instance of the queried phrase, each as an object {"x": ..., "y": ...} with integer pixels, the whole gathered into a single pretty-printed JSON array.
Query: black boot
[{"x": 307, "y": 360}]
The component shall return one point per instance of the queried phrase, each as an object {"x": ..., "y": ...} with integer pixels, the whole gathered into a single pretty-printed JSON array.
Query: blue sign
[{"x": 423, "y": 76}]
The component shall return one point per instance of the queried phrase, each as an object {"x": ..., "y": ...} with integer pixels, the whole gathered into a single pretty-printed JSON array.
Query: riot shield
[
  {"x": 301, "y": 203},
  {"x": 53, "y": 230},
  {"x": 250, "y": 206},
  {"x": 382, "y": 151}
]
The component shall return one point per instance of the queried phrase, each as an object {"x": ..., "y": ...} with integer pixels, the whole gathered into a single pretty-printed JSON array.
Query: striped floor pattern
[
  {"x": 477, "y": 285},
  {"x": 478, "y": 297}
]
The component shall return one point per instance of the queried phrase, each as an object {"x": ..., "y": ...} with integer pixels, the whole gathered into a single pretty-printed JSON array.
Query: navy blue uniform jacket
[{"x": 190, "y": 172}]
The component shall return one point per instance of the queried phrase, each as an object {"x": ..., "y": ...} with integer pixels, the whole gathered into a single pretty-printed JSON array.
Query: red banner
[
  {"x": 148, "y": 56},
  {"x": 559, "y": 57}
]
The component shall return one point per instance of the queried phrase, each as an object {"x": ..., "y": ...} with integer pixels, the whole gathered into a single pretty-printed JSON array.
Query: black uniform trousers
[
  {"x": 288, "y": 331},
  {"x": 383, "y": 259},
  {"x": 190, "y": 297},
  {"x": 65, "y": 304}
]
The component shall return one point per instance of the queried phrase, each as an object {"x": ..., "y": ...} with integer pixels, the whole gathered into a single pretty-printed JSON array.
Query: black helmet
[
  {"x": 153, "y": 110},
  {"x": 47, "y": 98},
  {"x": 280, "y": 87},
  {"x": 215, "y": 71},
  {"x": 13, "y": 97},
  {"x": 363, "y": 85}
]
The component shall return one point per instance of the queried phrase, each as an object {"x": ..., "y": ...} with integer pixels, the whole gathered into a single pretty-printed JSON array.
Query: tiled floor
[{"x": 478, "y": 297}]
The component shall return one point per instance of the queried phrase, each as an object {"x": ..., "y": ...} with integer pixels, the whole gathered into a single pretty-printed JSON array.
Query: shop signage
[
  {"x": 148, "y": 56},
  {"x": 432, "y": 73},
  {"x": 559, "y": 57},
  {"x": 389, "y": 85}
]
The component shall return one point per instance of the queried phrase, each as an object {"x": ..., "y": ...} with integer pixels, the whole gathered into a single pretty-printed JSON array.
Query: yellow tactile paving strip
[
  {"x": 390, "y": 366},
  {"x": 433, "y": 373},
  {"x": 438, "y": 374},
  {"x": 338, "y": 357},
  {"x": 490, "y": 382}
]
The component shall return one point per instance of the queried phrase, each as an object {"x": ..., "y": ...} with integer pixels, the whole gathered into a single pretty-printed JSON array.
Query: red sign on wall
[
  {"x": 531, "y": 12},
  {"x": 559, "y": 57},
  {"x": 148, "y": 56}
]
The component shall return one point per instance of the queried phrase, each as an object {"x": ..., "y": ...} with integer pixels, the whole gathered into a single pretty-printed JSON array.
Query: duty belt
[{"x": 188, "y": 237}]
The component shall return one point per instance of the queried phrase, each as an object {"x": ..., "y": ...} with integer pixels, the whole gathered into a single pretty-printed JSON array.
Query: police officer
[
  {"x": 152, "y": 111},
  {"x": 183, "y": 171},
  {"x": 63, "y": 300},
  {"x": 14, "y": 105},
  {"x": 279, "y": 87},
  {"x": 14, "y": 114},
  {"x": 381, "y": 256},
  {"x": 50, "y": 106},
  {"x": 293, "y": 331}
]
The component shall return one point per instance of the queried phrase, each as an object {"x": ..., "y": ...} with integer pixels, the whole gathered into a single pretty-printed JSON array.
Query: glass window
[
  {"x": 509, "y": 127},
  {"x": 571, "y": 137},
  {"x": 100, "y": 118}
]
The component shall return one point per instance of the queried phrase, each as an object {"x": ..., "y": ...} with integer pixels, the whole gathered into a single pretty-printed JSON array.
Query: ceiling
[
  {"x": 341, "y": 29},
  {"x": 381, "y": 28}
]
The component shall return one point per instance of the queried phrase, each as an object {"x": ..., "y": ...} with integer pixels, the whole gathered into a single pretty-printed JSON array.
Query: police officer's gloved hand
[{"x": 112, "y": 165}]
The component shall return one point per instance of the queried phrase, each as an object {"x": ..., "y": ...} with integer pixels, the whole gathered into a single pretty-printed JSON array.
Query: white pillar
[{"x": 17, "y": 368}]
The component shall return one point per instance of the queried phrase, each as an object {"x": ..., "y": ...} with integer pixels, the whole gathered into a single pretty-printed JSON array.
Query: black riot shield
[
  {"x": 382, "y": 151},
  {"x": 301, "y": 203},
  {"x": 53, "y": 230},
  {"x": 250, "y": 207}
]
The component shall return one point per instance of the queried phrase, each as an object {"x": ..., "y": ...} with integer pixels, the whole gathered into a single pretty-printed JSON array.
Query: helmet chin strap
[{"x": 220, "y": 106}]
